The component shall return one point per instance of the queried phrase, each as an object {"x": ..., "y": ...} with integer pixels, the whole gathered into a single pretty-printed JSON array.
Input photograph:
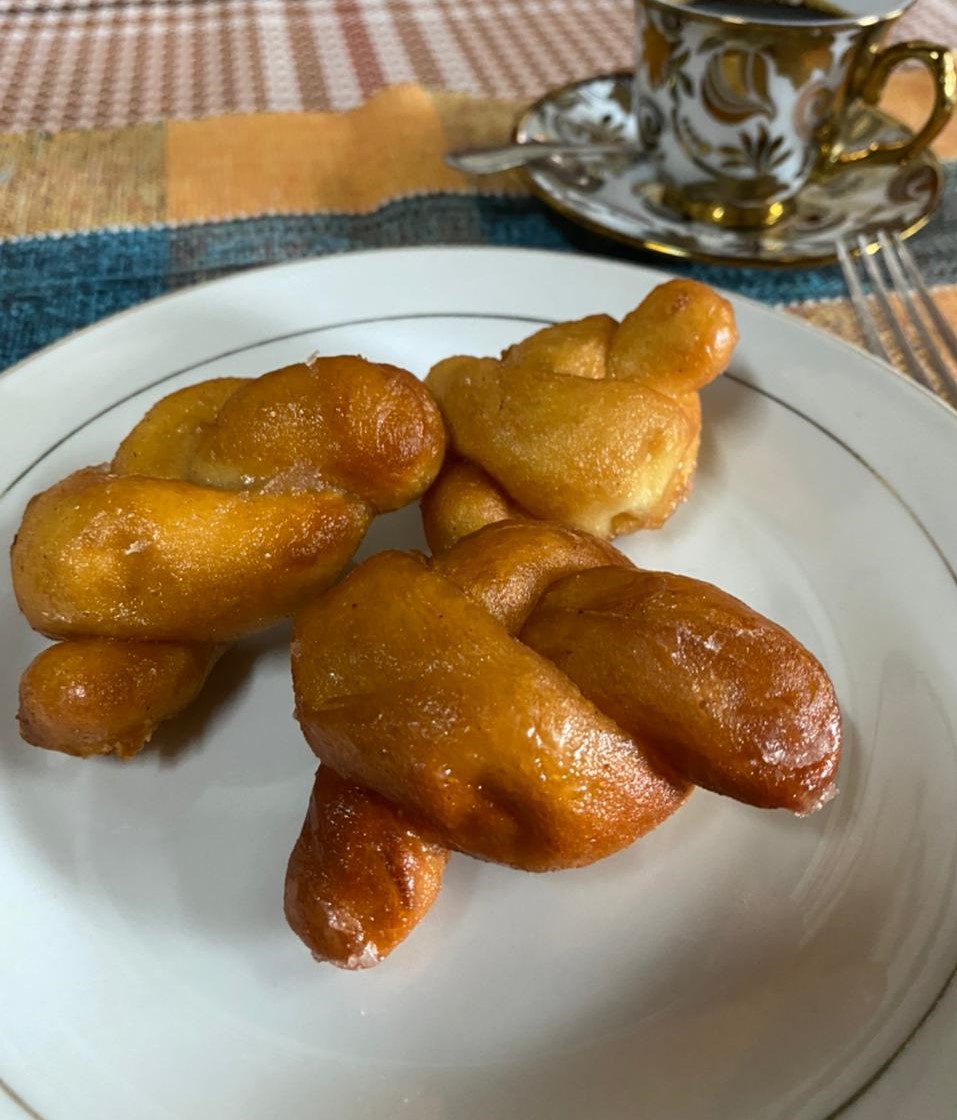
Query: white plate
[{"x": 735, "y": 963}]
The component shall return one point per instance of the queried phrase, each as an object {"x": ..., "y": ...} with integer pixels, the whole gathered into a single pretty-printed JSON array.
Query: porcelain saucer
[{"x": 619, "y": 196}]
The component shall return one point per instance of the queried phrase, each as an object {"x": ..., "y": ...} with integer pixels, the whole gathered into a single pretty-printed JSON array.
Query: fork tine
[
  {"x": 864, "y": 318},
  {"x": 891, "y": 259},
  {"x": 913, "y": 272},
  {"x": 881, "y": 293}
]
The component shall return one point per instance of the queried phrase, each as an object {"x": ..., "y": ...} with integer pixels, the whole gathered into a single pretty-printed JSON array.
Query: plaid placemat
[
  {"x": 96, "y": 219},
  {"x": 68, "y": 64}
]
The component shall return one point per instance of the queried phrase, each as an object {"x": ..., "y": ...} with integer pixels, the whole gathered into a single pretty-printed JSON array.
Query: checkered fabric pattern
[
  {"x": 146, "y": 145},
  {"x": 78, "y": 64}
]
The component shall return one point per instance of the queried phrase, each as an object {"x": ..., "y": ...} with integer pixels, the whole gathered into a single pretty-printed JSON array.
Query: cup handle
[{"x": 940, "y": 62}]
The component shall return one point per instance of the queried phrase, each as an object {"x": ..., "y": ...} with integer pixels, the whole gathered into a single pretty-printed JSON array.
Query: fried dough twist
[
  {"x": 531, "y": 698},
  {"x": 594, "y": 424},
  {"x": 223, "y": 510}
]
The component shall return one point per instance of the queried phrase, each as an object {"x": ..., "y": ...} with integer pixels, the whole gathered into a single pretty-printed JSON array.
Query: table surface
[
  {"x": 149, "y": 145},
  {"x": 107, "y": 63}
]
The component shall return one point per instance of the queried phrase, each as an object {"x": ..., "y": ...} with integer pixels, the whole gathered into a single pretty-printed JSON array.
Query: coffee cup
[{"x": 740, "y": 102}]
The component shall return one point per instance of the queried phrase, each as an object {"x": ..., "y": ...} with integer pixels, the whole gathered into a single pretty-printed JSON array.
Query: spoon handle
[{"x": 487, "y": 161}]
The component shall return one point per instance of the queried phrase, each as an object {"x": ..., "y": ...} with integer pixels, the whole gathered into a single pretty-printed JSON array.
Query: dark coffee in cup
[{"x": 803, "y": 11}]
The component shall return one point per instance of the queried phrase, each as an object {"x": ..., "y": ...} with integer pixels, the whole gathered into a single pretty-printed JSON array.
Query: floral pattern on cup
[
  {"x": 623, "y": 197},
  {"x": 742, "y": 107}
]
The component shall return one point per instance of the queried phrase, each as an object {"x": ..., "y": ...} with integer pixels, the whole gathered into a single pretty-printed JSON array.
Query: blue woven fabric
[{"x": 53, "y": 285}]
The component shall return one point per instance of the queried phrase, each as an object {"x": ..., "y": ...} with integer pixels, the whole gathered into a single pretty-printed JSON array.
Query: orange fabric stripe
[
  {"x": 81, "y": 180},
  {"x": 909, "y": 96},
  {"x": 280, "y": 163},
  {"x": 303, "y": 162}
]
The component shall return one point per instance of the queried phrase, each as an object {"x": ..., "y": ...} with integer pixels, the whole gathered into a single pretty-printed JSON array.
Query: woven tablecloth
[{"x": 147, "y": 146}]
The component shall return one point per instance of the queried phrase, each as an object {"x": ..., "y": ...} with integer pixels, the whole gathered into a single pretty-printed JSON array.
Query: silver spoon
[{"x": 487, "y": 161}]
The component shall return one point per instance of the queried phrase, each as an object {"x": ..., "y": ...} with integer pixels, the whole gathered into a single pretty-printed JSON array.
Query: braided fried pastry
[
  {"x": 224, "y": 509},
  {"x": 531, "y": 698},
  {"x": 595, "y": 424}
]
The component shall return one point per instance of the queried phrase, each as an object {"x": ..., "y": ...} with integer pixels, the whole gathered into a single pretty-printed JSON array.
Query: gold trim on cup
[
  {"x": 728, "y": 141},
  {"x": 725, "y": 213},
  {"x": 827, "y": 21},
  {"x": 940, "y": 63},
  {"x": 650, "y": 244}
]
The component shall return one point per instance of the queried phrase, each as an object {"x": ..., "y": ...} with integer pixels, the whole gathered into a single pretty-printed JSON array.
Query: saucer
[{"x": 620, "y": 197}]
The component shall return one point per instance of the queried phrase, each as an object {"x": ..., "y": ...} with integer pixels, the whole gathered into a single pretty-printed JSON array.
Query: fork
[{"x": 908, "y": 284}]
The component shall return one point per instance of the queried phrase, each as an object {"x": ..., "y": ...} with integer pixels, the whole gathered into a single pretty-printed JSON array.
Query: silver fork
[{"x": 908, "y": 284}]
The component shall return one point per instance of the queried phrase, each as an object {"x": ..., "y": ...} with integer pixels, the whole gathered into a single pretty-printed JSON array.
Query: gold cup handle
[{"x": 940, "y": 62}]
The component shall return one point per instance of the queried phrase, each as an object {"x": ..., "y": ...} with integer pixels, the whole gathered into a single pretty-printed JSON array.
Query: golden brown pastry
[
  {"x": 564, "y": 744},
  {"x": 508, "y": 567},
  {"x": 444, "y": 713},
  {"x": 124, "y": 556},
  {"x": 97, "y": 696},
  {"x": 361, "y": 875},
  {"x": 721, "y": 695},
  {"x": 462, "y": 499},
  {"x": 594, "y": 423},
  {"x": 227, "y": 506}
]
